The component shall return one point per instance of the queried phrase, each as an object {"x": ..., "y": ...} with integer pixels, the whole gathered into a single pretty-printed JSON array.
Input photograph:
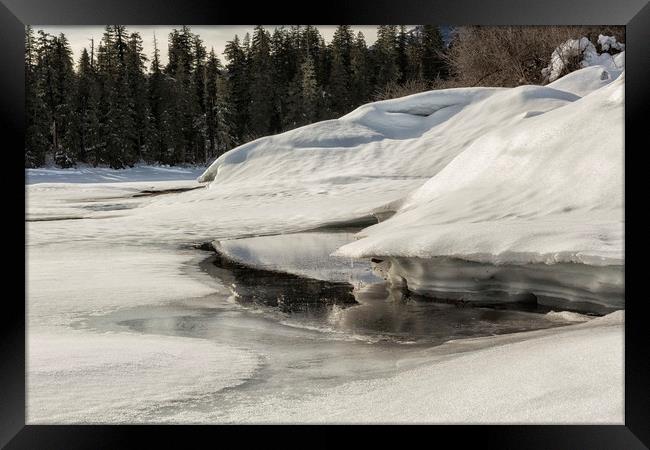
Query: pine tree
[
  {"x": 359, "y": 71},
  {"x": 339, "y": 80},
  {"x": 312, "y": 43},
  {"x": 385, "y": 56},
  {"x": 104, "y": 77},
  {"x": 237, "y": 72},
  {"x": 200, "y": 141},
  {"x": 199, "y": 72},
  {"x": 309, "y": 91},
  {"x": 86, "y": 110},
  {"x": 158, "y": 141},
  {"x": 285, "y": 61},
  {"x": 315, "y": 45},
  {"x": 402, "y": 54},
  {"x": 118, "y": 143},
  {"x": 137, "y": 90},
  {"x": 414, "y": 55},
  {"x": 36, "y": 119},
  {"x": 261, "y": 103},
  {"x": 182, "y": 95},
  {"x": 56, "y": 77},
  {"x": 64, "y": 112},
  {"x": 219, "y": 113},
  {"x": 211, "y": 75},
  {"x": 125, "y": 111},
  {"x": 432, "y": 47}
]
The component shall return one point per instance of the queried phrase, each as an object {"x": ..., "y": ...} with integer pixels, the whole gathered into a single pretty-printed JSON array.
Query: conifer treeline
[{"x": 116, "y": 107}]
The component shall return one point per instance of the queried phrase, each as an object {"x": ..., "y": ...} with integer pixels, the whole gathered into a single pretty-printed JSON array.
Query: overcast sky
[{"x": 213, "y": 35}]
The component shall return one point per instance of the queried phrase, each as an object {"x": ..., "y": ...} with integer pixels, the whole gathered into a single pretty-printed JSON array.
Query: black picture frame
[{"x": 634, "y": 14}]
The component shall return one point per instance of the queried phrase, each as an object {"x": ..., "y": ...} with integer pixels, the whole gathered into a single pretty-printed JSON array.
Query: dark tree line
[{"x": 117, "y": 107}]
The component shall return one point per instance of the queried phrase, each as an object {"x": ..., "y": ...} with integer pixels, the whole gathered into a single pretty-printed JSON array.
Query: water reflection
[
  {"x": 374, "y": 312},
  {"x": 288, "y": 292}
]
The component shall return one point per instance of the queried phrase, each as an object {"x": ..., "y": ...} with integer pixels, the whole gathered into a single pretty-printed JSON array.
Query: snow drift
[
  {"x": 547, "y": 189},
  {"x": 414, "y": 136},
  {"x": 531, "y": 175}
]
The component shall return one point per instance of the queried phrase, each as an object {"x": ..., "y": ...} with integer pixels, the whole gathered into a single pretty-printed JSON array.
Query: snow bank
[
  {"x": 545, "y": 191},
  {"x": 351, "y": 167},
  {"x": 414, "y": 136},
  {"x": 577, "y": 286},
  {"x": 532, "y": 174},
  {"x": 548, "y": 189},
  {"x": 582, "y": 82},
  {"x": 304, "y": 254},
  {"x": 342, "y": 170}
]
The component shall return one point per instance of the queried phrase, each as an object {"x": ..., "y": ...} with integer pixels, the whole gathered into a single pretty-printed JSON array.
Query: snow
[
  {"x": 567, "y": 316},
  {"x": 508, "y": 388},
  {"x": 584, "y": 49},
  {"x": 304, "y": 254},
  {"x": 88, "y": 174},
  {"x": 582, "y": 82},
  {"x": 93, "y": 279},
  {"x": 79, "y": 375},
  {"x": 609, "y": 42},
  {"x": 602, "y": 70},
  {"x": 502, "y": 164},
  {"x": 344, "y": 169},
  {"x": 577, "y": 286},
  {"x": 410, "y": 137},
  {"x": 546, "y": 190},
  {"x": 571, "y": 375},
  {"x": 506, "y": 177},
  {"x": 136, "y": 375}
]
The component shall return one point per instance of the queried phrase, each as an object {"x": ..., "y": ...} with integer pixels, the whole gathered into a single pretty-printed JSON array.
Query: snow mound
[
  {"x": 532, "y": 174},
  {"x": 414, "y": 136},
  {"x": 548, "y": 189},
  {"x": 582, "y": 82}
]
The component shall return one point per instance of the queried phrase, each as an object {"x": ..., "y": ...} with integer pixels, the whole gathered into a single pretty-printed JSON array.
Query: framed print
[{"x": 364, "y": 224}]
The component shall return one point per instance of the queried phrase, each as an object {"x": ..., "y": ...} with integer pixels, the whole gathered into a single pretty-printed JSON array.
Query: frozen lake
[
  {"x": 129, "y": 322},
  {"x": 305, "y": 335}
]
